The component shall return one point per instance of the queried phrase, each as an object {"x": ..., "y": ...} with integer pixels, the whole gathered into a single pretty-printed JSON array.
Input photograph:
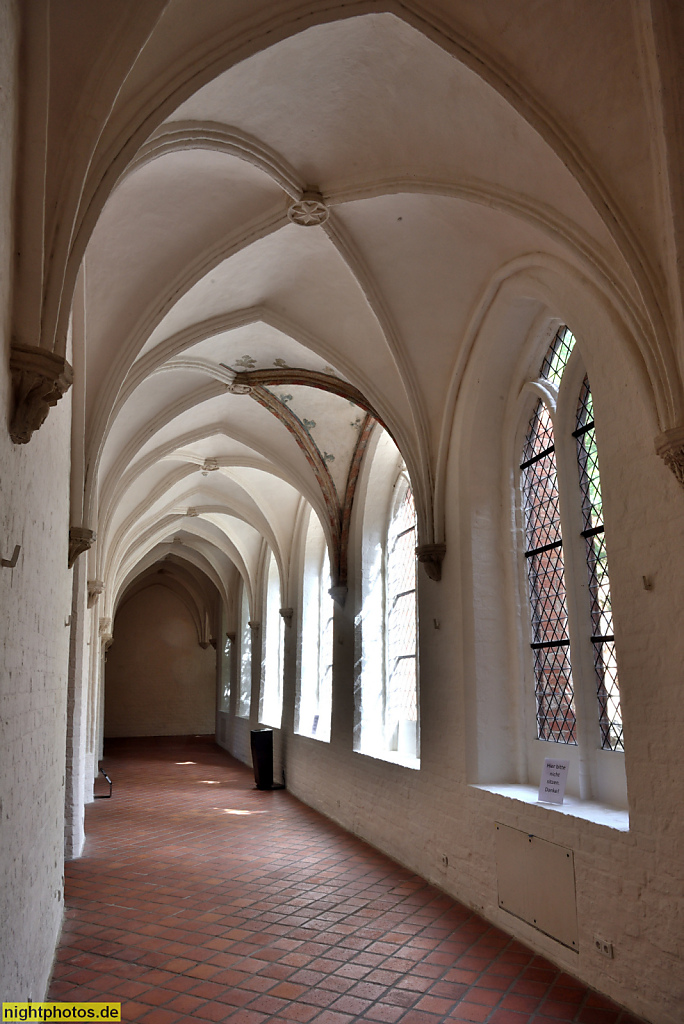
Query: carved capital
[
  {"x": 670, "y": 447},
  {"x": 95, "y": 588},
  {"x": 287, "y": 614},
  {"x": 339, "y": 594},
  {"x": 430, "y": 556},
  {"x": 80, "y": 539},
  {"x": 39, "y": 379},
  {"x": 254, "y": 626}
]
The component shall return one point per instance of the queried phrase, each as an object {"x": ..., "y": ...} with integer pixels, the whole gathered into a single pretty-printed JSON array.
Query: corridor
[{"x": 200, "y": 898}]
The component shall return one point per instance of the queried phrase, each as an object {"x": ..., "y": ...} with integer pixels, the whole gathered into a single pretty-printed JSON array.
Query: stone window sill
[
  {"x": 589, "y": 810},
  {"x": 393, "y": 756}
]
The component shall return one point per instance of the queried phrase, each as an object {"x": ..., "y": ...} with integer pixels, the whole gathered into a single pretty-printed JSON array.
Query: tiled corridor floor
[{"x": 202, "y": 899}]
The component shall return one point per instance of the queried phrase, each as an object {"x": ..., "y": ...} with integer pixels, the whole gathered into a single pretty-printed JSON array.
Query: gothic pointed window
[
  {"x": 226, "y": 674},
  {"x": 386, "y": 696},
  {"x": 271, "y": 705},
  {"x": 314, "y": 691},
  {"x": 400, "y": 688},
  {"x": 552, "y": 498},
  {"x": 245, "y": 693}
]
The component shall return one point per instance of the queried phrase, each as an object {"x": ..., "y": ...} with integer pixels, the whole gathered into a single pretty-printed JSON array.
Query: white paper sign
[{"x": 554, "y": 777}]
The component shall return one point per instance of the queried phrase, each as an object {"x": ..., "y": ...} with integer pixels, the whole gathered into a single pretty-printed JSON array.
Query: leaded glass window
[
  {"x": 400, "y": 696},
  {"x": 603, "y": 641},
  {"x": 546, "y": 582},
  {"x": 314, "y": 703},
  {"x": 556, "y": 359},
  {"x": 226, "y": 671},
  {"x": 270, "y": 712},
  {"x": 245, "y": 695},
  {"x": 546, "y": 568},
  {"x": 325, "y": 653}
]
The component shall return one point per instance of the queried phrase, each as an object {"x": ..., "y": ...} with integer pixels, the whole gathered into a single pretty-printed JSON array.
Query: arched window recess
[
  {"x": 313, "y": 705},
  {"x": 571, "y": 699},
  {"x": 386, "y": 713},
  {"x": 401, "y": 621}
]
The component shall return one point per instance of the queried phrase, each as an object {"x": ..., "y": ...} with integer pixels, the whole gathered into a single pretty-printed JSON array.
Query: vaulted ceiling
[{"x": 294, "y": 258}]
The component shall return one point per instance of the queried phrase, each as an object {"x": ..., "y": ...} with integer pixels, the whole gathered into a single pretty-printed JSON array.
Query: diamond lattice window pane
[
  {"x": 546, "y": 582},
  {"x": 605, "y": 664},
  {"x": 556, "y": 359},
  {"x": 546, "y": 578},
  {"x": 555, "y": 695},
  {"x": 610, "y": 713},
  {"x": 599, "y": 586}
]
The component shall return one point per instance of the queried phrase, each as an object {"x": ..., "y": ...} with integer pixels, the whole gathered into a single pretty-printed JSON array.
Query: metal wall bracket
[
  {"x": 9, "y": 563},
  {"x": 104, "y": 796}
]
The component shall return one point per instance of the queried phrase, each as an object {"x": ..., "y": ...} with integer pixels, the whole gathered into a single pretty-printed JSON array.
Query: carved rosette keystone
[
  {"x": 235, "y": 388},
  {"x": 39, "y": 379},
  {"x": 309, "y": 210},
  {"x": 670, "y": 447},
  {"x": 95, "y": 588},
  {"x": 431, "y": 556},
  {"x": 80, "y": 539}
]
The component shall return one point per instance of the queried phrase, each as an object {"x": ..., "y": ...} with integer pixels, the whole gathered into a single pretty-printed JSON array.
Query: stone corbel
[
  {"x": 670, "y": 447},
  {"x": 39, "y": 379},
  {"x": 431, "y": 556},
  {"x": 105, "y": 633},
  {"x": 287, "y": 614},
  {"x": 254, "y": 626},
  {"x": 95, "y": 588},
  {"x": 80, "y": 539},
  {"x": 339, "y": 594}
]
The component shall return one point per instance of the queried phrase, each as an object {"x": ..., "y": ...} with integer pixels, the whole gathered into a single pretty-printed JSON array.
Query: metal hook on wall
[{"x": 9, "y": 563}]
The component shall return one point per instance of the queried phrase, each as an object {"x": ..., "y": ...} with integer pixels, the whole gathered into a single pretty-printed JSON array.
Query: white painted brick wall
[{"x": 35, "y": 598}]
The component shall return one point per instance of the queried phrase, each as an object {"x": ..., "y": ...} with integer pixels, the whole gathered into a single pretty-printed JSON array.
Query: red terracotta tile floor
[{"x": 200, "y": 898}]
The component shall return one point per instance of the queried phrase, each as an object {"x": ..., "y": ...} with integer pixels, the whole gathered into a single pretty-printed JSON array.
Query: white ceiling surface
[{"x": 433, "y": 182}]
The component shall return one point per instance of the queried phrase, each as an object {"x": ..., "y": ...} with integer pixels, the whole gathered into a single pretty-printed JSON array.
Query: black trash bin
[{"x": 262, "y": 757}]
